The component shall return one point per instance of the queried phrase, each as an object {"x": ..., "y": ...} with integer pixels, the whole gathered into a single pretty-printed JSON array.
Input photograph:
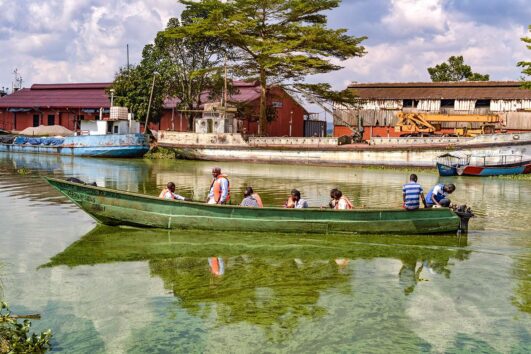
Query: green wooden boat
[{"x": 113, "y": 207}]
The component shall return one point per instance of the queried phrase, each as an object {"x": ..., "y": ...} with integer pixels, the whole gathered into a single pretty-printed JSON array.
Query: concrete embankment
[{"x": 418, "y": 152}]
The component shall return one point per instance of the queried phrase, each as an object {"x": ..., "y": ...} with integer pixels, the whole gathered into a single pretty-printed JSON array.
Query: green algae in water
[{"x": 125, "y": 290}]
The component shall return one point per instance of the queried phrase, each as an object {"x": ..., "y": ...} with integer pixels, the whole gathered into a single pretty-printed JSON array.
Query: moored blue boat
[
  {"x": 448, "y": 164},
  {"x": 108, "y": 145},
  {"x": 484, "y": 171},
  {"x": 483, "y": 165}
]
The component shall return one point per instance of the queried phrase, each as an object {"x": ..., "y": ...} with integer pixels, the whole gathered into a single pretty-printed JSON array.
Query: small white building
[
  {"x": 120, "y": 122},
  {"x": 216, "y": 119}
]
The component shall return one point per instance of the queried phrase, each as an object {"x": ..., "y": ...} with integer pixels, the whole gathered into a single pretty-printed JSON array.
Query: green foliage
[
  {"x": 185, "y": 68},
  {"x": 455, "y": 70},
  {"x": 526, "y": 65},
  {"x": 15, "y": 337},
  {"x": 277, "y": 42},
  {"x": 23, "y": 171},
  {"x": 160, "y": 153}
]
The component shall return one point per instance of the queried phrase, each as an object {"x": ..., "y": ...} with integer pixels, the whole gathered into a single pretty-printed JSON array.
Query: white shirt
[
  {"x": 342, "y": 204},
  {"x": 439, "y": 190},
  {"x": 170, "y": 195},
  {"x": 301, "y": 203}
]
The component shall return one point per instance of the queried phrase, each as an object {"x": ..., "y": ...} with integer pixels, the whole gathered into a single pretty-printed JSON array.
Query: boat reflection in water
[
  {"x": 271, "y": 281},
  {"x": 125, "y": 174}
]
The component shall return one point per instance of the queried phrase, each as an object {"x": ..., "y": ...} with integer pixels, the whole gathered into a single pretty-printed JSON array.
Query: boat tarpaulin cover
[
  {"x": 6, "y": 139},
  {"x": 20, "y": 140}
]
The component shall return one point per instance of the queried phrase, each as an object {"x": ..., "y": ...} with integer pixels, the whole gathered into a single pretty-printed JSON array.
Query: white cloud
[
  {"x": 76, "y": 40},
  {"x": 488, "y": 48},
  {"x": 84, "y": 40},
  {"x": 410, "y": 16}
]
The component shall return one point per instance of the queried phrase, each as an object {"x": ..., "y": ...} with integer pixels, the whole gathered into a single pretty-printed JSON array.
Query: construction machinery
[{"x": 415, "y": 124}]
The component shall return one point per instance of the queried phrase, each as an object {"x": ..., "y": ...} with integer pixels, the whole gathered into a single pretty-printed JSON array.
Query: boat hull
[
  {"x": 495, "y": 170},
  {"x": 445, "y": 170},
  {"x": 113, "y": 207},
  {"x": 118, "y": 146}
]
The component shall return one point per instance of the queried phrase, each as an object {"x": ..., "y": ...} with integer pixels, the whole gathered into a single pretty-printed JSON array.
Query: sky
[{"x": 53, "y": 41}]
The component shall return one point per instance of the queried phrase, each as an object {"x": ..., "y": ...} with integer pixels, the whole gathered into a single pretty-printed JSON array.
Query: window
[
  {"x": 115, "y": 129},
  {"x": 410, "y": 103},
  {"x": 482, "y": 103},
  {"x": 36, "y": 120},
  {"x": 447, "y": 103},
  {"x": 407, "y": 103},
  {"x": 51, "y": 119}
]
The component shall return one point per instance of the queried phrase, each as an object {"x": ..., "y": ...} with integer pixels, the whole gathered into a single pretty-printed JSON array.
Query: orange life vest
[
  {"x": 217, "y": 266},
  {"x": 347, "y": 201},
  {"x": 216, "y": 185}
]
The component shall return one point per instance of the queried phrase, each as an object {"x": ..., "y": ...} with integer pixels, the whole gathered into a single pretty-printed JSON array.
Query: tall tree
[
  {"x": 278, "y": 42},
  {"x": 455, "y": 70},
  {"x": 185, "y": 67},
  {"x": 132, "y": 85},
  {"x": 526, "y": 65}
]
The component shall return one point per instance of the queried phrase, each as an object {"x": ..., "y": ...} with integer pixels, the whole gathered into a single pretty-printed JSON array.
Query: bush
[{"x": 15, "y": 337}]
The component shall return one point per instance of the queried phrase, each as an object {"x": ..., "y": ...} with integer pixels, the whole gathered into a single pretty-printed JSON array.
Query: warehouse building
[
  {"x": 54, "y": 104},
  {"x": 378, "y": 105}
]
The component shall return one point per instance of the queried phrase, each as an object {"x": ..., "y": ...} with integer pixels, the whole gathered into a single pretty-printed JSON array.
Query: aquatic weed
[
  {"x": 15, "y": 337},
  {"x": 23, "y": 171}
]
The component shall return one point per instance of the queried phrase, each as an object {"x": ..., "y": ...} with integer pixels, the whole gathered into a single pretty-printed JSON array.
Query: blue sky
[{"x": 84, "y": 40}]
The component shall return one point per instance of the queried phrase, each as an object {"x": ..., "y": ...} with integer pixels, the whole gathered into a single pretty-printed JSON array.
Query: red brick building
[
  {"x": 67, "y": 104},
  {"x": 53, "y": 104},
  {"x": 289, "y": 114}
]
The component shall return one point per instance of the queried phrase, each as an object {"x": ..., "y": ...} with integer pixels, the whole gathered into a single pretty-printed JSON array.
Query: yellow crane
[{"x": 430, "y": 123}]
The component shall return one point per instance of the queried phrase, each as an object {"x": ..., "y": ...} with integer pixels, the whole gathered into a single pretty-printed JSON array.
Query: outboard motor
[{"x": 464, "y": 213}]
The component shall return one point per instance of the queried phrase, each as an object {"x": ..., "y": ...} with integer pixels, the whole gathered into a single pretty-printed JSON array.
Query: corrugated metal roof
[
  {"x": 80, "y": 95},
  {"x": 243, "y": 92},
  {"x": 84, "y": 85},
  {"x": 442, "y": 90}
]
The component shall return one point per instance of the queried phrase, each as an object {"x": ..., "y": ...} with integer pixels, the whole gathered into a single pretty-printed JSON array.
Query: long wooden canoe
[{"x": 113, "y": 207}]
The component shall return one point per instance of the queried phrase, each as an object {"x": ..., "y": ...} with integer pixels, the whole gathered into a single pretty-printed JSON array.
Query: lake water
[{"x": 124, "y": 290}]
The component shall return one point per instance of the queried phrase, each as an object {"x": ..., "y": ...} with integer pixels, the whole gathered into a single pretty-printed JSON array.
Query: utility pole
[
  {"x": 127, "y": 46},
  {"x": 112, "y": 97},
  {"x": 149, "y": 103},
  {"x": 225, "y": 88}
]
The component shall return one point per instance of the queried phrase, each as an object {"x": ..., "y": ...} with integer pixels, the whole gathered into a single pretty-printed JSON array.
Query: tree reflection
[
  {"x": 273, "y": 293},
  {"x": 522, "y": 294},
  {"x": 272, "y": 281}
]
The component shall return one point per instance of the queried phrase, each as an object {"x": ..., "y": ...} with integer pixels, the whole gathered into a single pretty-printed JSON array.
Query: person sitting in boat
[
  {"x": 438, "y": 195},
  {"x": 295, "y": 200},
  {"x": 341, "y": 201},
  {"x": 249, "y": 199},
  {"x": 411, "y": 193},
  {"x": 169, "y": 193},
  {"x": 219, "y": 189},
  {"x": 332, "y": 202}
]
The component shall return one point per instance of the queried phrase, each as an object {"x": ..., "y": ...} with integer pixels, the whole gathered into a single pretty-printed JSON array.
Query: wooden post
[{"x": 173, "y": 118}]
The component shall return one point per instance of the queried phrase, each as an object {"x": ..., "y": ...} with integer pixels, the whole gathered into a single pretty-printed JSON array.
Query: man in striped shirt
[{"x": 411, "y": 193}]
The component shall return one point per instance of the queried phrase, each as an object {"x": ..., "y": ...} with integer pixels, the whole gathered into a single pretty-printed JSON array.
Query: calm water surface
[{"x": 123, "y": 290}]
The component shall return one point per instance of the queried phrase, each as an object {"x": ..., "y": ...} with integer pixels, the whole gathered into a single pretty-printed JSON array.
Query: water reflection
[
  {"x": 128, "y": 290},
  {"x": 125, "y": 174},
  {"x": 270, "y": 281}
]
